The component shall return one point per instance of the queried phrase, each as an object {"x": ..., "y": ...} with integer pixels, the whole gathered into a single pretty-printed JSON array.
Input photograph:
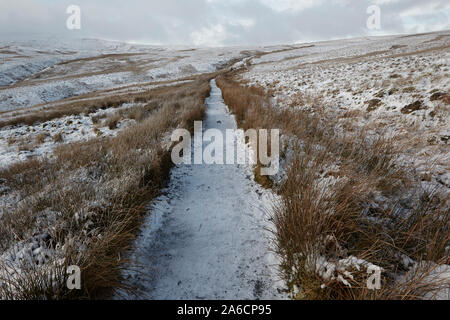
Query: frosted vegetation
[{"x": 365, "y": 159}]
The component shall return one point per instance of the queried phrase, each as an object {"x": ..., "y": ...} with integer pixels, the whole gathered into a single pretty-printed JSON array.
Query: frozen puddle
[{"x": 206, "y": 236}]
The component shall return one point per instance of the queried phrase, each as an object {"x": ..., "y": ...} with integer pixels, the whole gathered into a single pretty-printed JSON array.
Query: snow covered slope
[{"x": 36, "y": 72}]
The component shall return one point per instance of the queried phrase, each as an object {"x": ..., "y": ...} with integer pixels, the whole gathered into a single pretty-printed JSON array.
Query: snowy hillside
[{"x": 86, "y": 176}]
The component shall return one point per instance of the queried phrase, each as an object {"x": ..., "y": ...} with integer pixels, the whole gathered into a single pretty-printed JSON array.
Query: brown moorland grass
[
  {"x": 90, "y": 103},
  {"x": 329, "y": 228},
  {"x": 85, "y": 205}
]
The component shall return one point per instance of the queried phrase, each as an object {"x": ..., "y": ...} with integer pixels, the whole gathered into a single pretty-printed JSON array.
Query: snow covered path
[{"x": 206, "y": 236}]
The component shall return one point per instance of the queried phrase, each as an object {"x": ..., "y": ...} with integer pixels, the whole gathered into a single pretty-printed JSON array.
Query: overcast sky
[{"x": 221, "y": 22}]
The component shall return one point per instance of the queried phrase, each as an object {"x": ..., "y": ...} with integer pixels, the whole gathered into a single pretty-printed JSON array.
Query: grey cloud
[{"x": 225, "y": 22}]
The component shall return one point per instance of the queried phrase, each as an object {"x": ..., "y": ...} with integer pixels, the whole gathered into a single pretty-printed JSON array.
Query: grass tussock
[
  {"x": 112, "y": 121},
  {"x": 347, "y": 206},
  {"x": 58, "y": 137},
  {"x": 83, "y": 206}
]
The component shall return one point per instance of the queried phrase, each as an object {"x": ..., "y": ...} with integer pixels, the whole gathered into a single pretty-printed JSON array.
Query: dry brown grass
[
  {"x": 305, "y": 98},
  {"x": 58, "y": 137},
  {"x": 96, "y": 119},
  {"x": 136, "y": 113},
  {"x": 89, "y": 103},
  {"x": 100, "y": 189},
  {"x": 75, "y": 108},
  {"x": 11, "y": 140},
  {"x": 328, "y": 213},
  {"x": 112, "y": 121},
  {"x": 25, "y": 145},
  {"x": 40, "y": 138}
]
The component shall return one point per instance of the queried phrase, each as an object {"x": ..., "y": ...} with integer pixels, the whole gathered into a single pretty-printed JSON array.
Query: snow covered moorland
[
  {"x": 86, "y": 176},
  {"x": 364, "y": 184}
]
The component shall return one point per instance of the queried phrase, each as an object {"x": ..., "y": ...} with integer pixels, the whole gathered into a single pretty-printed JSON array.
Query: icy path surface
[{"x": 206, "y": 236}]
